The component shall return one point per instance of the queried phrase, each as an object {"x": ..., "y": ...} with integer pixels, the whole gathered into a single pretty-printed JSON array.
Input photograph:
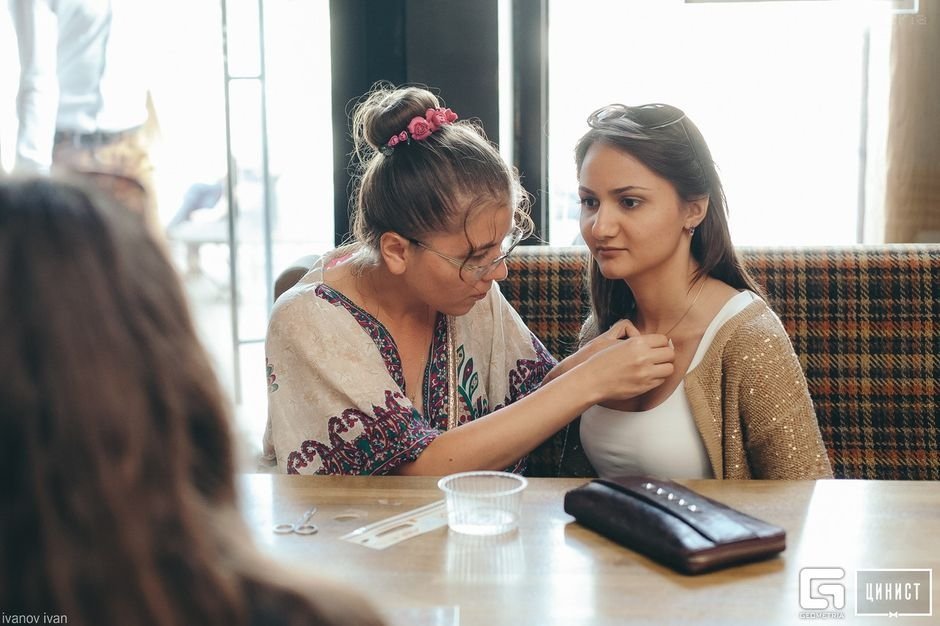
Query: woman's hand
[
  {"x": 623, "y": 363},
  {"x": 629, "y": 367},
  {"x": 620, "y": 331}
]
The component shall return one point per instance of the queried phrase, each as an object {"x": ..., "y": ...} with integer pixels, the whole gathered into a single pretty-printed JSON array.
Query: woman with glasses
[
  {"x": 398, "y": 353},
  {"x": 653, "y": 215}
]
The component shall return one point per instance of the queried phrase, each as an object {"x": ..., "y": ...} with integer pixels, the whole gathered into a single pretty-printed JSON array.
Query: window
[
  {"x": 788, "y": 95},
  {"x": 294, "y": 138}
]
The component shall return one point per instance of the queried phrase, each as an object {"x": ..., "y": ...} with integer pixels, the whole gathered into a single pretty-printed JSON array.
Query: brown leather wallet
[{"x": 672, "y": 524}]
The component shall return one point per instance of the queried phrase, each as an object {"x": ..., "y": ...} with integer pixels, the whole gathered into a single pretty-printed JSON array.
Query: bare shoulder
[{"x": 719, "y": 292}]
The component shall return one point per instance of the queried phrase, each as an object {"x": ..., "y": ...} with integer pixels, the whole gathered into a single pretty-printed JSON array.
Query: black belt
[{"x": 92, "y": 139}]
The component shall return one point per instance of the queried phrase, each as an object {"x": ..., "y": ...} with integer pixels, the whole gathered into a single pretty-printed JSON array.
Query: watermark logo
[
  {"x": 822, "y": 595},
  {"x": 894, "y": 592},
  {"x": 32, "y": 618}
]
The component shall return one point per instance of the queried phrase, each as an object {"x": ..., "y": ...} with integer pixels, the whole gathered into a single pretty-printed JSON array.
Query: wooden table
[{"x": 553, "y": 571}]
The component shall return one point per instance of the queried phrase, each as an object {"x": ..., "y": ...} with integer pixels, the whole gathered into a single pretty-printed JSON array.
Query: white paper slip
[{"x": 390, "y": 531}]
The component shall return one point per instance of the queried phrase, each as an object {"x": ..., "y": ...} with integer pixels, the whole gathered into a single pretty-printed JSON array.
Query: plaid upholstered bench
[{"x": 865, "y": 322}]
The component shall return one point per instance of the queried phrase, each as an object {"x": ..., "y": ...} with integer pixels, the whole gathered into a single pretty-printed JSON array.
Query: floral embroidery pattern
[
  {"x": 468, "y": 383},
  {"x": 272, "y": 386},
  {"x": 435, "y": 377},
  {"x": 391, "y": 435},
  {"x": 528, "y": 374}
]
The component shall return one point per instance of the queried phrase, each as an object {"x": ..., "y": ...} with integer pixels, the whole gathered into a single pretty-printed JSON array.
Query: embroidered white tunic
[{"x": 336, "y": 397}]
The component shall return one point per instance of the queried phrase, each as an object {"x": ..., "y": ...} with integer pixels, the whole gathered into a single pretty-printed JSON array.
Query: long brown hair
[
  {"x": 119, "y": 503},
  {"x": 677, "y": 152}
]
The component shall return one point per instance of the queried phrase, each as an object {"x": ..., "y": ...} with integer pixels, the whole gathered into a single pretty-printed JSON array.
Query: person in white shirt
[{"x": 82, "y": 96}]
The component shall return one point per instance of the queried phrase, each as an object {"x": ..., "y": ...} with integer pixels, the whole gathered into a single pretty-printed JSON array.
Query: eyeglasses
[
  {"x": 509, "y": 243},
  {"x": 651, "y": 116}
]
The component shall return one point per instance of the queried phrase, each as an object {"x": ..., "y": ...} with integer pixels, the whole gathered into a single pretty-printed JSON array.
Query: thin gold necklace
[{"x": 694, "y": 300}]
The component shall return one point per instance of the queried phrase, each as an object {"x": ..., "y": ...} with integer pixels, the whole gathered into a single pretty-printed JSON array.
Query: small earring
[{"x": 691, "y": 230}]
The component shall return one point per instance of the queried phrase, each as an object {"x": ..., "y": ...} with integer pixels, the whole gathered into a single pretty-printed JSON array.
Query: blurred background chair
[{"x": 293, "y": 273}]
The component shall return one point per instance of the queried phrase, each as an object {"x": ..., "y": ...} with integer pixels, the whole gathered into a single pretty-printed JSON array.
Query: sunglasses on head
[
  {"x": 651, "y": 116},
  {"x": 647, "y": 116}
]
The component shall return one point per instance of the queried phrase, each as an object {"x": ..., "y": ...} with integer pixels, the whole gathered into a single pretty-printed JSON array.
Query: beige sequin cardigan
[{"x": 751, "y": 405}]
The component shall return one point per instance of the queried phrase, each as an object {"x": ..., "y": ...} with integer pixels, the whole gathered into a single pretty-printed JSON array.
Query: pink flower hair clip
[{"x": 420, "y": 128}]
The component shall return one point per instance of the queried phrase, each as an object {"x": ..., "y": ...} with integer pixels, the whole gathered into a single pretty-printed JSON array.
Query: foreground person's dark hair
[{"x": 119, "y": 503}]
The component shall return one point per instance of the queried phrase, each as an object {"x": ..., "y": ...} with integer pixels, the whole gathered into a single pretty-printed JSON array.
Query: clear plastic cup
[{"x": 483, "y": 503}]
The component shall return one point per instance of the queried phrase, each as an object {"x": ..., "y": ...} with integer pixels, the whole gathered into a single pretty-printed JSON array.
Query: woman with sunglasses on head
[
  {"x": 653, "y": 215},
  {"x": 119, "y": 502},
  {"x": 398, "y": 353}
]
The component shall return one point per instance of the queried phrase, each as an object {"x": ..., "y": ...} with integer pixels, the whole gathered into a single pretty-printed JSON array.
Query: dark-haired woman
[
  {"x": 118, "y": 503},
  {"x": 398, "y": 354},
  {"x": 654, "y": 218}
]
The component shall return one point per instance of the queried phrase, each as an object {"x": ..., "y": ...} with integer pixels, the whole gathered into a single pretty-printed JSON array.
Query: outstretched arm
[{"x": 622, "y": 369}]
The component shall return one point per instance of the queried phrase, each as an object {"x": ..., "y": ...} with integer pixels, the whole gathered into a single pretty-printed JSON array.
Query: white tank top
[{"x": 663, "y": 441}]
